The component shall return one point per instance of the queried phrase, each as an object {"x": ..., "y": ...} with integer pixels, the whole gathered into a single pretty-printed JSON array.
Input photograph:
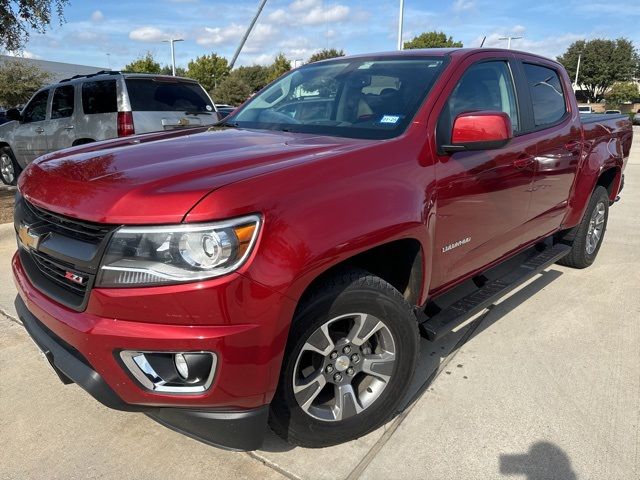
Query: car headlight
[{"x": 143, "y": 256}]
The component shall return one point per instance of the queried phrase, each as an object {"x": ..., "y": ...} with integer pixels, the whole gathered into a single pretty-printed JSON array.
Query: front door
[
  {"x": 30, "y": 135},
  {"x": 482, "y": 198}
]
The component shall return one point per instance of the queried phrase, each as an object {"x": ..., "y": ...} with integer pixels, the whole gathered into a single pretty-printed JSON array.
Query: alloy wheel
[
  {"x": 343, "y": 367},
  {"x": 6, "y": 169},
  {"x": 596, "y": 228}
]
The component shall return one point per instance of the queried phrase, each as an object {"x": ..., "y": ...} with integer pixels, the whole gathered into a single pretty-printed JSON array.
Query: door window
[
  {"x": 36, "y": 110},
  {"x": 99, "y": 97},
  {"x": 484, "y": 86},
  {"x": 62, "y": 103},
  {"x": 549, "y": 104}
]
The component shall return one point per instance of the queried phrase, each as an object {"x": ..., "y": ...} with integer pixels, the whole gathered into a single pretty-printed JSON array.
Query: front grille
[
  {"x": 68, "y": 250},
  {"x": 86, "y": 231},
  {"x": 56, "y": 271}
]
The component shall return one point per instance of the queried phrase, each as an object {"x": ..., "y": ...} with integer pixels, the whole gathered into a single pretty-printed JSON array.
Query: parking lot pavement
[{"x": 545, "y": 384}]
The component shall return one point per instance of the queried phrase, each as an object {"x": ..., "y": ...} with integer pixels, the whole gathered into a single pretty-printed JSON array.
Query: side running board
[{"x": 446, "y": 320}]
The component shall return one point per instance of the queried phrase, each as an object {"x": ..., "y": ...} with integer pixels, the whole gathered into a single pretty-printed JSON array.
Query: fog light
[{"x": 171, "y": 372}]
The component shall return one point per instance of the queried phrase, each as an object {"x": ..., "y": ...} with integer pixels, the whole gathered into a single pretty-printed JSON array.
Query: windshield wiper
[{"x": 227, "y": 124}]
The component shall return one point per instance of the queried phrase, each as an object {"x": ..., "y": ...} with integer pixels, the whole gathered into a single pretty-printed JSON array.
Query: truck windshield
[
  {"x": 160, "y": 95},
  {"x": 373, "y": 98}
]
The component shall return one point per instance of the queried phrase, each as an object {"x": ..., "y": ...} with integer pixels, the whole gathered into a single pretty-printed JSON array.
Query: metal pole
[
  {"x": 509, "y": 38},
  {"x": 173, "y": 58},
  {"x": 246, "y": 34},
  {"x": 400, "y": 24},
  {"x": 575, "y": 83}
]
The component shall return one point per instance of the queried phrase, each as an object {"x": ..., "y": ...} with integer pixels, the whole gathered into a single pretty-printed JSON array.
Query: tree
[
  {"x": 19, "y": 80},
  {"x": 256, "y": 76},
  {"x": 279, "y": 67},
  {"x": 602, "y": 63},
  {"x": 17, "y": 17},
  {"x": 209, "y": 70},
  {"x": 326, "y": 54},
  {"x": 232, "y": 90},
  {"x": 168, "y": 70},
  {"x": 432, "y": 40},
  {"x": 144, "y": 64},
  {"x": 622, "y": 92}
]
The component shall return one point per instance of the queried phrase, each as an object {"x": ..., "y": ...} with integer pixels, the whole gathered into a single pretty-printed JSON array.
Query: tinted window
[
  {"x": 99, "y": 97},
  {"x": 484, "y": 86},
  {"x": 151, "y": 95},
  {"x": 36, "y": 110},
  {"x": 62, "y": 104},
  {"x": 359, "y": 98},
  {"x": 546, "y": 94}
]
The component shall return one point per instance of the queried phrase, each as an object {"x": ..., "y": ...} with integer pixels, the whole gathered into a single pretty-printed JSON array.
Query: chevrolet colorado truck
[{"x": 279, "y": 268}]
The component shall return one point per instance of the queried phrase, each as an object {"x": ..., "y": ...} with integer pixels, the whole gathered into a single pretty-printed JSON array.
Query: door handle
[
  {"x": 573, "y": 146},
  {"x": 524, "y": 161},
  {"x": 70, "y": 127},
  {"x": 39, "y": 130}
]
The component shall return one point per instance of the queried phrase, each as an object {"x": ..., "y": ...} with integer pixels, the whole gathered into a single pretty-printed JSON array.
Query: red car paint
[{"x": 323, "y": 200}]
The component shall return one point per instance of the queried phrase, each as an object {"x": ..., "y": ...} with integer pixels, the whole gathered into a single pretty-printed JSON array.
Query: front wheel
[
  {"x": 588, "y": 235},
  {"x": 350, "y": 357},
  {"x": 9, "y": 168}
]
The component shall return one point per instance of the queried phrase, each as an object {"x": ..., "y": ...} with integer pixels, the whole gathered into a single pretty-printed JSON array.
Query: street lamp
[
  {"x": 173, "y": 52},
  {"x": 400, "y": 22},
  {"x": 509, "y": 38}
]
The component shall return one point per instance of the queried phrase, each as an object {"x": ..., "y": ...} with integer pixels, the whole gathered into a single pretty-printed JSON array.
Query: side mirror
[
  {"x": 479, "y": 131},
  {"x": 13, "y": 114}
]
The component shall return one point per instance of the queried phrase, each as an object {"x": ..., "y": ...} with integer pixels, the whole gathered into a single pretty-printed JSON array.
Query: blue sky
[{"x": 125, "y": 30}]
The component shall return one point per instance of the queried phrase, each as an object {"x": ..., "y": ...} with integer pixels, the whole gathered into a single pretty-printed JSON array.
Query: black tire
[
  {"x": 349, "y": 292},
  {"x": 582, "y": 254},
  {"x": 10, "y": 170}
]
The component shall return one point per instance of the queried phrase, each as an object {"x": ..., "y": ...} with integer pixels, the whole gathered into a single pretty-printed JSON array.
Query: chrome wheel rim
[
  {"x": 596, "y": 228},
  {"x": 343, "y": 367},
  {"x": 6, "y": 169}
]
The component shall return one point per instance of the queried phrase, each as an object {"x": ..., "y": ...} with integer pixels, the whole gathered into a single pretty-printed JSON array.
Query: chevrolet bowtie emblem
[{"x": 28, "y": 238}]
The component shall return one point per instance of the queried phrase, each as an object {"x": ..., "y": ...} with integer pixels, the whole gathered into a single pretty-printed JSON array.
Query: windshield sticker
[
  {"x": 390, "y": 119},
  {"x": 209, "y": 108}
]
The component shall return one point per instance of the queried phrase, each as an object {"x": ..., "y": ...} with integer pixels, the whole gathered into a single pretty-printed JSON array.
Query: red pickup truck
[{"x": 279, "y": 267}]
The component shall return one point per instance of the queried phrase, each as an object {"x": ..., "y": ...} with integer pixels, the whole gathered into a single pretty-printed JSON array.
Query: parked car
[
  {"x": 279, "y": 268},
  {"x": 585, "y": 109},
  {"x": 612, "y": 112},
  {"x": 96, "y": 107},
  {"x": 636, "y": 118},
  {"x": 224, "y": 110}
]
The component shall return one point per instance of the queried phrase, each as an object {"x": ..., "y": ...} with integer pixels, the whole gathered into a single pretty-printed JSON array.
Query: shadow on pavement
[{"x": 544, "y": 461}]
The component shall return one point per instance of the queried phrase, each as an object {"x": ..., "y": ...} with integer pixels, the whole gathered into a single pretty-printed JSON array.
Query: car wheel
[
  {"x": 9, "y": 168},
  {"x": 588, "y": 235},
  {"x": 351, "y": 354}
]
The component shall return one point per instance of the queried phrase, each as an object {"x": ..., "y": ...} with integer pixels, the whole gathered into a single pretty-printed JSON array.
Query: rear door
[
  {"x": 168, "y": 103},
  {"x": 482, "y": 196},
  {"x": 30, "y": 136},
  {"x": 61, "y": 131},
  {"x": 558, "y": 135}
]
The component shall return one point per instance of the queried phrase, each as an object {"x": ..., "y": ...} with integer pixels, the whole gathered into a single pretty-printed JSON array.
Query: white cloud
[
  {"x": 302, "y": 5},
  {"x": 336, "y": 13},
  {"x": 460, "y": 6},
  {"x": 23, "y": 54},
  {"x": 97, "y": 16},
  {"x": 232, "y": 33},
  {"x": 549, "y": 47},
  {"x": 151, "y": 34}
]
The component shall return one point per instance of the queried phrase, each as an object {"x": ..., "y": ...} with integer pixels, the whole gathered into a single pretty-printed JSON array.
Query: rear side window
[
  {"x": 99, "y": 97},
  {"x": 549, "y": 104},
  {"x": 62, "y": 104},
  {"x": 151, "y": 95},
  {"x": 484, "y": 86}
]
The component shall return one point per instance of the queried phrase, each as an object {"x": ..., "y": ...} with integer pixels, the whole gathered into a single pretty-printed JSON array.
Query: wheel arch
[{"x": 610, "y": 179}]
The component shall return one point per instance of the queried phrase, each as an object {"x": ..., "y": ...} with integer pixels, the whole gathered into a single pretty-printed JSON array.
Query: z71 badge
[{"x": 451, "y": 246}]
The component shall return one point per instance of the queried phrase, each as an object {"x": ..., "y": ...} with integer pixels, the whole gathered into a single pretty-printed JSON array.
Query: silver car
[{"x": 96, "y": 107}]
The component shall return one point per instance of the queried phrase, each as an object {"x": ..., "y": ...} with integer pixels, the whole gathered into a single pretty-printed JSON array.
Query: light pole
[
  {"x": 575, "y": 83},
  {"x": 173, "y": 52},
  {"x": 509, "y": 38},
  {"x": 246, "y": 34},
  {"x": 400, "y": 22}
]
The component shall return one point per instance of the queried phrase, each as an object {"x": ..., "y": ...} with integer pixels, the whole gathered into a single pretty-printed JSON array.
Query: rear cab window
[
  {"x": 167, "y": 95},
  {"x": 99, "y": 97},
  {"x": 547, "y": 95}
]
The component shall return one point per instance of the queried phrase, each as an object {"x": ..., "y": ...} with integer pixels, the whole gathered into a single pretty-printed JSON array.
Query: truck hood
[{"x": 158, "y": 178}]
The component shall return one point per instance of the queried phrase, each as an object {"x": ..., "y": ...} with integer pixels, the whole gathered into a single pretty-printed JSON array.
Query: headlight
[{"x": 141, "y": 256}]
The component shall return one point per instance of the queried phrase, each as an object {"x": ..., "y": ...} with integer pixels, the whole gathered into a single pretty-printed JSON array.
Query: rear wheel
[
  {"x": 588, "y": 235},
  {"x": 351, "y": 354},
  {"x": 9, "y": 168}
]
